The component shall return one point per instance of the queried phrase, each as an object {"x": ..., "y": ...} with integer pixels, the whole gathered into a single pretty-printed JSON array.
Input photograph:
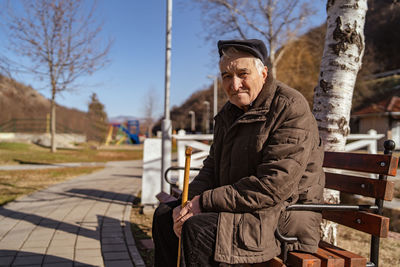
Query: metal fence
[{"x": 34, "y": 125}]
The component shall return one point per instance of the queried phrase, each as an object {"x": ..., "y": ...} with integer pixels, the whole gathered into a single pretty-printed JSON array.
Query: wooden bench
[{"x": 365, "y": 218}]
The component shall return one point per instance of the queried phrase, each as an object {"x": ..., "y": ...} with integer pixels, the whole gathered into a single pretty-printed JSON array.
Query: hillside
[{"x": 18, "y": 101}]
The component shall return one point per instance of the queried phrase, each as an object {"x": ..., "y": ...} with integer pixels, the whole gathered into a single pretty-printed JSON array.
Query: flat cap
[{"x": 253, "y": 46}]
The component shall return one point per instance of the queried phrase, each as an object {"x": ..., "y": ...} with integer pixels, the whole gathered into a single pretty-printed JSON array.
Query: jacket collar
[{"x": 264, "y": 98}]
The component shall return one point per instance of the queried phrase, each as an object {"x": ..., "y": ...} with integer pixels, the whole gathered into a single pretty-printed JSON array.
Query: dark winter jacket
[{"x": 261, "y": 161}]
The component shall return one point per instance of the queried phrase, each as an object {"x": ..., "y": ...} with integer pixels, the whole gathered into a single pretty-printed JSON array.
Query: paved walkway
[{"x": 81, "y": 222}]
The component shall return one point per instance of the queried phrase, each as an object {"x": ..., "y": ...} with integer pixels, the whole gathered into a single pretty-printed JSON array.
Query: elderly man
[{"x": 266, "y": 154}]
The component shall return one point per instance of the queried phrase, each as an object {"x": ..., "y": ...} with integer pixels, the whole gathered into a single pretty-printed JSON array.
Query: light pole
[
  {"x": 207, "y": 116},
  {"x": 192, "y": 121},
  {"x": 166, "y": 123},
  {"x": 215, "y": 78}
]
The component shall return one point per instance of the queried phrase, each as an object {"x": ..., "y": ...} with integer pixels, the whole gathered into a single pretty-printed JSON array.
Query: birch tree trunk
[{"x": 341, "y": 61}]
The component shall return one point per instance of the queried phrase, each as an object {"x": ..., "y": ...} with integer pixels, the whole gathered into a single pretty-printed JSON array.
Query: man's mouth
[{"x": 240, "y": 92}]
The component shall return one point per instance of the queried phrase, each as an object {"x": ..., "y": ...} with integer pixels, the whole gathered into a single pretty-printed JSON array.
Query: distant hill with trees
[{"x": 24, "y": 108}]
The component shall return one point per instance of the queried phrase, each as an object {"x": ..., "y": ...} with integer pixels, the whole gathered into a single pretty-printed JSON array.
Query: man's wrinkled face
[{"x": 241, "y": 80}]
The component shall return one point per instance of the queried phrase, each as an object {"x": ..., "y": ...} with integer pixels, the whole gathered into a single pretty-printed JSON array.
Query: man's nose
[{"x": 236, "y": 83}]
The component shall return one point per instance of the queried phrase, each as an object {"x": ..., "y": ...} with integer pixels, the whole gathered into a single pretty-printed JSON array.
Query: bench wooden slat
[
  {"x": 302, "y": 259},
  {"x": 329, "y": 259},
  {"x": 360, "y": 185},
  {"x": 350, "y": 259},
  {"x": 164, "y": 197},
  {"x": 363, "y": 221},
  {"x": 371, "y": 163}
]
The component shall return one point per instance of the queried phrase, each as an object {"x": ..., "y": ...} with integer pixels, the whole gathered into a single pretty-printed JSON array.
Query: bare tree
[
  {"x": 150, "y": 104},
  {"x": 341, "y": 61},
  {"x": 275, "y": 21},
  {"x": 58, "y": 41}
]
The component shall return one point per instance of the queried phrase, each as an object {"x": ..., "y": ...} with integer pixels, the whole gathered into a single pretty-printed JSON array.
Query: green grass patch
[
  {"x": 14, "y": 153},
  {"x": 16, "y": 183},
  {"x": 15, "y": 146}
]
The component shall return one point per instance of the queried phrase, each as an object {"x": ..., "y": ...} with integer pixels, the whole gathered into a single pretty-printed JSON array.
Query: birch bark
[{"x": 341, "y": 61}]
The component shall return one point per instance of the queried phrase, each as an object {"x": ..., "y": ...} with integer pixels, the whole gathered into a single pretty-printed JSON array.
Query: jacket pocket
[{"x": 250, "y": 232}]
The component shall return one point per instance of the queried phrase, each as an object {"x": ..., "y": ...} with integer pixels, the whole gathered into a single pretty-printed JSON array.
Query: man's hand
[{"x": 180, "y": 215}]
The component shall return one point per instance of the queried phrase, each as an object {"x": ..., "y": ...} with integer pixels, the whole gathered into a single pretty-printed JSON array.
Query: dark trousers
[{"x": 197, "y": 240}]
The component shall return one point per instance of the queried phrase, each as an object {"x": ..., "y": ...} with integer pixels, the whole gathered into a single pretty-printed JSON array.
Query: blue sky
[{"x": 138, "y": 57}]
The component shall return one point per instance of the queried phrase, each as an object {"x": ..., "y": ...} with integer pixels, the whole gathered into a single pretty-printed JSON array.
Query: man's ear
[{"x": 265, "y": 73}]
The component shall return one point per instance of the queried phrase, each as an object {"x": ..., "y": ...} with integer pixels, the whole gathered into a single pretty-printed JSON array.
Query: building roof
[{"x": 389, "y": 104}]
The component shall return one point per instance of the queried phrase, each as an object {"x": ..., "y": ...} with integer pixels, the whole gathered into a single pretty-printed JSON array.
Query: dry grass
[
  {"x": 16, "y": 183},
  {"x": 14, "y": 153},
  {"x": 358, "y": 242},
  {"x": 396, "y": 193}
]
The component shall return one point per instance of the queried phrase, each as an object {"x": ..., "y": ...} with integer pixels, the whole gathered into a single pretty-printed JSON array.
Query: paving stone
[
  {"x": 89, "y": 261},
  {"x": 61, "y": 235},
  {"x": 31, "y": 243},
  {"x": 125, "y": 263},
  {"x": 113, "y": 247},
  {"x": 5, "y": 252},
  {"x": 38, "y": 250},
  {"x": 112, "y": 234},
  {"x": 6, "y": 260},
  {"x": 116, "y": 256},
  {"x": 28, "y": 260},
  {"x": 67, "y": 251},
  {"x": 106, "y": 229},
  {"x": 57, "y": 264},
  {"x": 69, "y": 228},
  {"x": 112, "y": 240},
  {"x": 137, "y": 259},
  {"x": 83, "y": 245},
  {"x": 10, "y": 245},
  {"x": 62, "y": 243},
  {"x": 88, "y": 253},
  {"x": 83, "y": 239},
  {"x": 128, "y": 236},
  {"x": 56, "y": 259}
]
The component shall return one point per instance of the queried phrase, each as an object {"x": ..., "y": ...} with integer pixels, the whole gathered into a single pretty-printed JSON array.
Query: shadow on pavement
[
  {"x": 14, "y": 257},
  {"x": 49, "y": 223},
  {"x": 31, "y": 162},
  {"x": 128, "y": 176},
  {"x": 101, "y": 194}
]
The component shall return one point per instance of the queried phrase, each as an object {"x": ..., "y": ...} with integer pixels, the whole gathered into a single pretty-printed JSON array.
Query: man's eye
[
  {"x": 243, "y": 74},
  {"x": 226, "y": 76}
]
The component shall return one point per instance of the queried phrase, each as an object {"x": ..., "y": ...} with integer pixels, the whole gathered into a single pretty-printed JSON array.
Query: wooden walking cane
[{"x": 188, "y": 154}]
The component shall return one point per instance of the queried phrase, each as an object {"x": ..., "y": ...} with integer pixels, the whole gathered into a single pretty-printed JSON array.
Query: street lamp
[
  {"x": 193, "y": 123},
  {"x": 166, "y": 127},
  {"x": 207, "y": 116},
  {"x": 215, "y": 78}
]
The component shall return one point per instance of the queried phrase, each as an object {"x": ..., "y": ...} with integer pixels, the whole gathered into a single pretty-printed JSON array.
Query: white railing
[
  {"x": 369, "y": 140},
  {"x": 201, "y": 150},
  {"x": 151, "y": 182}
]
